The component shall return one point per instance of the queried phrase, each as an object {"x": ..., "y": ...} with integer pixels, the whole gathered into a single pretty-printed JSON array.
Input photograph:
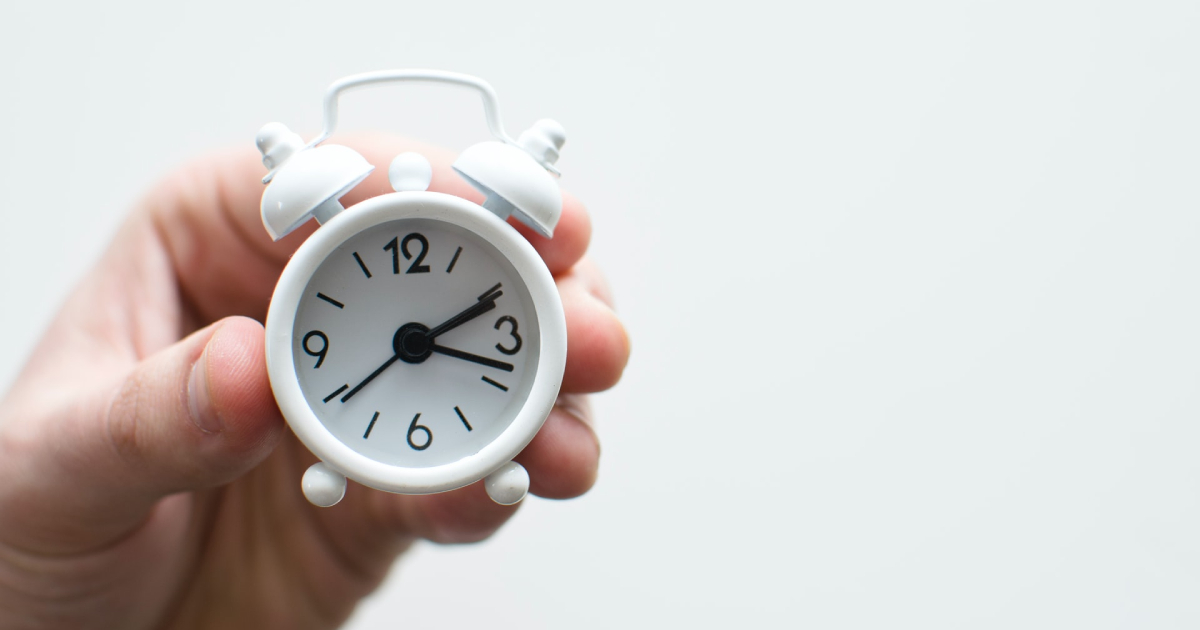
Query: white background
[{"x": 912, "y": 286}]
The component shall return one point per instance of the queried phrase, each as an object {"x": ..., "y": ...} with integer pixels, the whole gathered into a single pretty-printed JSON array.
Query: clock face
[{"x": 415, "y": 343}]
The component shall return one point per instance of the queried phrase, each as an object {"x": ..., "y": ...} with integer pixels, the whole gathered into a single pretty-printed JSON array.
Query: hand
[
  {"x": 486, "y": 302},
  {"x": 467, "y": 356},
  {"x": 425, "y": 337},
  {"x": 379, "y": 370},
  {"x": 147, "y": 479}
]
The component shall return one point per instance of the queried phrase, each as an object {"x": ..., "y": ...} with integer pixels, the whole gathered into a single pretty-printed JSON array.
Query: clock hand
[
  {"x": 459, "y": 354},
  {"x": 412, "y": 354},
  {"x": 486, "y": 303},
  {"x": 370, "y": 378}
]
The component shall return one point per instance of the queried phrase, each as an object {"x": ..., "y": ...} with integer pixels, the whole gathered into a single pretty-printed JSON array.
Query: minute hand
[{"x": 485, "y": 304}]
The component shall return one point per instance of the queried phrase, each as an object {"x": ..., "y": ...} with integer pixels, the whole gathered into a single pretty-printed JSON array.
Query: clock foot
[
  {"x": 508, "y": 484},
  {"x": 323, "y": 485}
]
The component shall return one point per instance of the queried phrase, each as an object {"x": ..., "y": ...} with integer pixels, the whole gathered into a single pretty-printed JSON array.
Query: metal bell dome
[
  {"x": 514, "y": 183},
  {"x": 308, "y": 184}
]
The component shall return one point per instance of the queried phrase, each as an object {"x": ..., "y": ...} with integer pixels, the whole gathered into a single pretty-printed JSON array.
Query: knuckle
[
  {"x": 586, "y": 277},
  {"x": 122, "y": 422}
]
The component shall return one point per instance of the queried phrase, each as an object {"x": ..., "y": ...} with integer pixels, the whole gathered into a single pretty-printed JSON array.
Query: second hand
[
  {"x": 388, "y": 363},
  {"x": 486, "y": 302}
]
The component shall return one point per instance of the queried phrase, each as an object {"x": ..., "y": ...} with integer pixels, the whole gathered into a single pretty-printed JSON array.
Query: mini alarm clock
[{"x": 415, "y": 341}]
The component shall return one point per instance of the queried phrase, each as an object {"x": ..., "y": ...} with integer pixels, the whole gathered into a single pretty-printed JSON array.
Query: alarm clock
[{"x": 415, "y": 341}]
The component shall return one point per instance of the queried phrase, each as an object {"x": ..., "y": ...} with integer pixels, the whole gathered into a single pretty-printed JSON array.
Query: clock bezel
[{"x": 548, "y": 371}]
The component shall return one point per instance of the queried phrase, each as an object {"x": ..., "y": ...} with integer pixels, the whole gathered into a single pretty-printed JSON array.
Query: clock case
[{"x": 306, "y": 181}]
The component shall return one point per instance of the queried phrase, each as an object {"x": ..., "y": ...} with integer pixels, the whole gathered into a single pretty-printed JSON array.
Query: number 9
[{"x": 320, "y": 353}]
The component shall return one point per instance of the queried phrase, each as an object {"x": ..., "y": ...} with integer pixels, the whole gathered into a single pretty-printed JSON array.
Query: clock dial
[{"x": 416, "y": 343}]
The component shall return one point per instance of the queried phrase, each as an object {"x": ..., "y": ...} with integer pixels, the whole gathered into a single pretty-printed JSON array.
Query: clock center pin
[{"x": 411, "y": 343}]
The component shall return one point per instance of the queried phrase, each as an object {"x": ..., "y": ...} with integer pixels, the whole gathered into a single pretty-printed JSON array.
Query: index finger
[{"x": 207, "y": 215}]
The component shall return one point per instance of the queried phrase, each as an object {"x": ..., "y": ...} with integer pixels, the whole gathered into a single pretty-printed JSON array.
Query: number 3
[{"x": 513, "y": 332}]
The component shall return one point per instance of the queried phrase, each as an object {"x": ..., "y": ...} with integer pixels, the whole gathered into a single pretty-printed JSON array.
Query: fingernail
[{"x": 199, "y": 405}]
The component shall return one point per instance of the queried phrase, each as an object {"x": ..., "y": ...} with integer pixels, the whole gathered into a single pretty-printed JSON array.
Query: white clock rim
[{"x": 285, "y": 383}]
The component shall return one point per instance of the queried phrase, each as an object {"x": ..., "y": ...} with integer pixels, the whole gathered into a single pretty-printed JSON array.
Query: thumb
[{"x": 198, "y": 414}]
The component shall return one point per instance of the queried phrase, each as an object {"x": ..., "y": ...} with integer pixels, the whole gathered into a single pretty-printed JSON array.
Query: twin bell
[{"x": 307, "y": 181}]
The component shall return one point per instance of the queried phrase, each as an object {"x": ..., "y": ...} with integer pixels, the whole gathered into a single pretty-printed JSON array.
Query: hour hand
[{"x": 467, "y": 356}]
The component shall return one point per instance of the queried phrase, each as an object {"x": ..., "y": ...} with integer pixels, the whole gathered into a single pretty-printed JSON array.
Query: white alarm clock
[{"x": 416, "y": 341}]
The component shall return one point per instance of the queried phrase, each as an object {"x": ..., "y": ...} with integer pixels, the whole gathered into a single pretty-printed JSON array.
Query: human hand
[{"x": 147, "y": 479}]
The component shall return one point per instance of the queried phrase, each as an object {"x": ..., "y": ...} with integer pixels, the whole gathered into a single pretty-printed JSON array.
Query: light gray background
[{"x": 911, "y": 285}]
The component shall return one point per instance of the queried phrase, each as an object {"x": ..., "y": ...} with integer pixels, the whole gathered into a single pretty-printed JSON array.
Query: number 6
[{"x": 413, "y": 428}]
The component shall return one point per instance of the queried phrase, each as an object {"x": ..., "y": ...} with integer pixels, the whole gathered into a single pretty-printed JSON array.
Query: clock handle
[
  {"x": 508, "y": 484},
  {"x": 513, "y": 175},
  {"x": 491, "y": 107}
]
